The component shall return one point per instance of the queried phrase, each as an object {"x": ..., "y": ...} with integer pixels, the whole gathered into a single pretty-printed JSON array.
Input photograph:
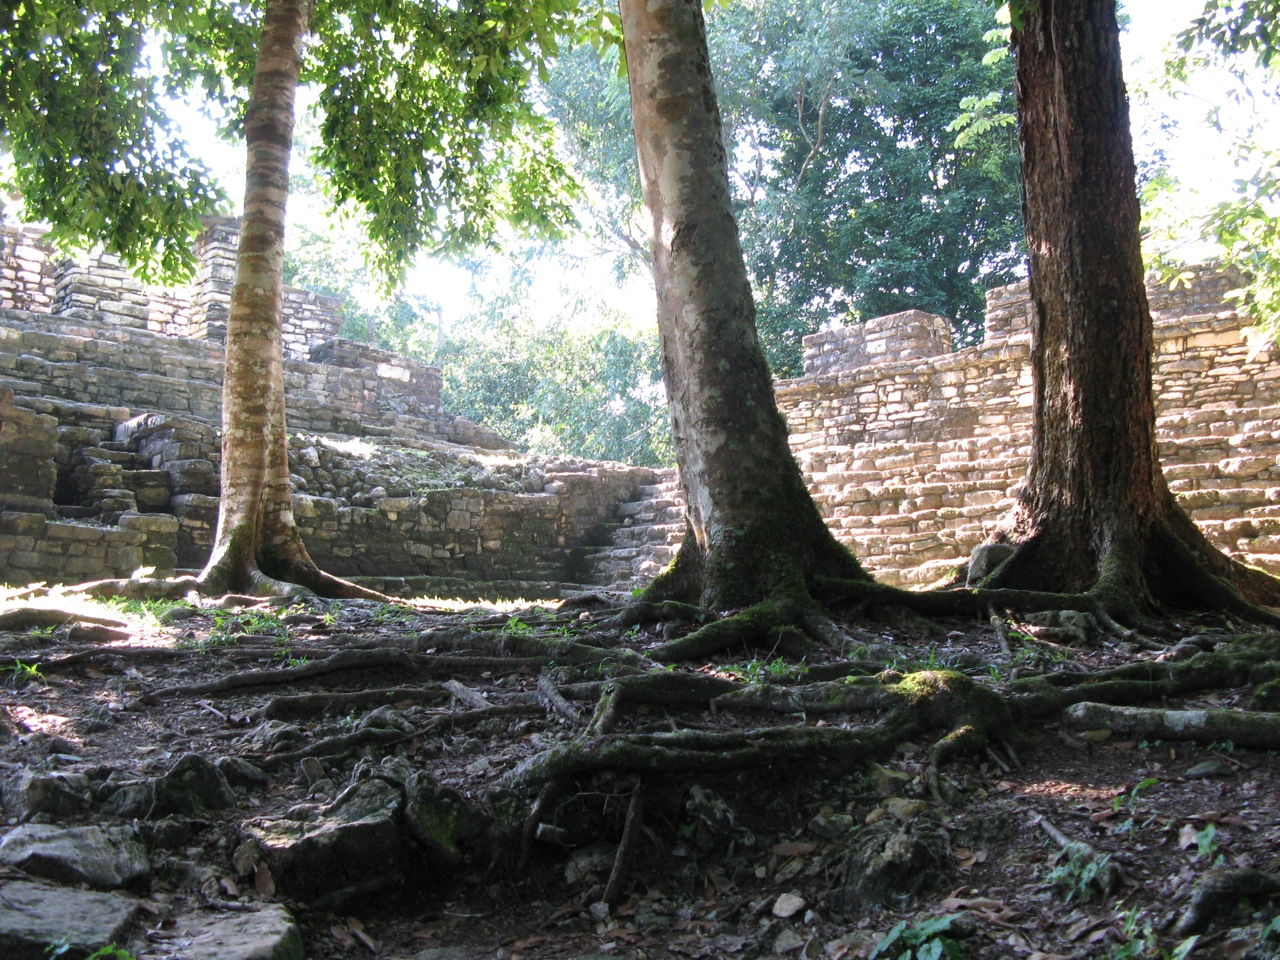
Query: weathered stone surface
[
  {"x": 984, "y": 559},
  {"x": 268, "y": 932},
  {"x": 105, "y": 857},
  {"x": 192, "y": 786},
  {"x": 442, "y": 820},
  {"x": 242, "y": 773},
  {"x": 35, "y": 915},
  {"x": 356, "y": 848},
  {"x": 913, "y": 453},
  {"x": 57, "y": 794}
]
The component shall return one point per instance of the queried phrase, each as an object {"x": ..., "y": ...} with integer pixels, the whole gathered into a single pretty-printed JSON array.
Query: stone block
[
  {"x": 22, "y": 524},
  {"x": 39, "y": 914}
]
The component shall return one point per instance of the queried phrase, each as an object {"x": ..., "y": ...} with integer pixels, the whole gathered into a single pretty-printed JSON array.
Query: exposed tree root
[
  {"x": 1244, "y": 728},
  {"x": 646, "y": 611},
  {"x": 693, "y": 751},
  {"x": 555, "y": 702},
  {"x": 464, "y": 694},
  {"x": 338, "y": 745},
  {"x": 338, "y": 663},
  {"x": 1174, "y": 567},
  {"x": 670, "y": 689},
  {"x": 614, "y": 889},
  {"x": 561, "y": 650},
  {"x": 306, "y": 705},
  {"x": 28, "y": 616},
  {"x": 1220, "y": 889},
  {"x": 773, "y": 625},
  {"x": 921, "y": 702}
]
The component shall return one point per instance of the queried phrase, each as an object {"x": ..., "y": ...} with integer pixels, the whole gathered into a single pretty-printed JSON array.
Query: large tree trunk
[
  {"x": 1095, "y": 512},
  {"x": 257, "y": 546},
  {"x": 753, "y": 531}
]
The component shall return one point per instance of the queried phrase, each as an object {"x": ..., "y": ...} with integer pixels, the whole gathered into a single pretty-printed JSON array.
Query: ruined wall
[
  {"x": 26, "y": 271},
  {"x": 915, "y": 459},
  {"x": 89, "y": 491},
  {"x": 100, "y": 289},
  {"x": 913, "y": 452},
  {"x": 349, "y": 388},
  {"x": 33, "y": 545}
]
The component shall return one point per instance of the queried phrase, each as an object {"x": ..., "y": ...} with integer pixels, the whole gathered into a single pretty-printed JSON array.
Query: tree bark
[
  {"x": 1095, "y": 512},
  {"x": 257, "y": 546},
  {"x": 753, "y": 531}
]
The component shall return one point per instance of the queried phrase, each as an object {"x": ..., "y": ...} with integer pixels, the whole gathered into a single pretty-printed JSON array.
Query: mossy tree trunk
[
  {"x": 257, "y": 546},
  {"x": 753, "y": 531},
  {"x": 1095, "y": 513}
]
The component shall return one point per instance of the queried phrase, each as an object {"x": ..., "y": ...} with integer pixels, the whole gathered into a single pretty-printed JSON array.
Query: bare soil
[{"x": 758, "y": 862}]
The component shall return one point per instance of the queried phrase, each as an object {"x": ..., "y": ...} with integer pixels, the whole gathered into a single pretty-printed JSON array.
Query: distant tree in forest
[{"x": 851, "y": 195}]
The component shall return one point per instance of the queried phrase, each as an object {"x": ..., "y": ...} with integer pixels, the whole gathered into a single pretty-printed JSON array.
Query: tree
[
  {"x": 1241, "y": 40},
  {"x": 411, "y": 138},
  {"x": 754, "y": 535},
  {"x": 1095, "y": 513},
  {"x": 256, "y": 537},
  {"x": 851, "y": 196},
  {"x": 555, "y": 390}
]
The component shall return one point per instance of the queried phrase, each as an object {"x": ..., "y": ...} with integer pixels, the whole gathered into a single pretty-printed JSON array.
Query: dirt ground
[{"x": 1052, "y": 843}]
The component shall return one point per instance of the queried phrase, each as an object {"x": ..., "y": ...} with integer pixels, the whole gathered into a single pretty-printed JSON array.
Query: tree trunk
[
  {"x": 1095, "y": 512},
  {"x": 257, "y": 544},
  {"x": 753, "y": 531}
]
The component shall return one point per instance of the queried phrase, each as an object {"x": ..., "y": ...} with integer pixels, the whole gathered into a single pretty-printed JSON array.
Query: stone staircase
[{"x": 647, "y": 538}]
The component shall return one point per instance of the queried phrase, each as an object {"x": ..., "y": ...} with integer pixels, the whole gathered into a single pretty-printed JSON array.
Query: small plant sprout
[
  {"x": 1131, "y": 803},
  {"x": 63, "y": 947},
  {"x": 1080, "y": 873},
  {"x": 24, "y": 673},
  {"x": 922, "y": 940},
  {"x": 1141, "y": 942}
]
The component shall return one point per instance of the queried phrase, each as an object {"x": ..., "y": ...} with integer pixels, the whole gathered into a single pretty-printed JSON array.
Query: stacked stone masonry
[
  {"x": 916, "y": 460},
  {"x": 914, "y": 453},
  {"x": 99, "y": 288},
  {"x": 108, "y": 414}
]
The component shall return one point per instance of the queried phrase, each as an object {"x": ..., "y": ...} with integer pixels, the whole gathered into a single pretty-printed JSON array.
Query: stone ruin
[{"x": 110, "y": 399}]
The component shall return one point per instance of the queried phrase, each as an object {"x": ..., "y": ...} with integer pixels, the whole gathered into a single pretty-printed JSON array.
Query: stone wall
[
  {"x": 363, "y": 391},
  {"x": 34, "y": 546},
  {"x": 26, "y": 270},
  {"x": 89, "y": 491},
  {"x": 914, "y": 460},
  {"x": 99, "y": 288},
  {"x": 913, "y": 452}
]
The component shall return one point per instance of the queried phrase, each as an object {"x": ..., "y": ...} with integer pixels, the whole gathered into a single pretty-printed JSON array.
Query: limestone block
[
  {"x": 105, "y": 857},
  {"x": 38, "y": 914}
]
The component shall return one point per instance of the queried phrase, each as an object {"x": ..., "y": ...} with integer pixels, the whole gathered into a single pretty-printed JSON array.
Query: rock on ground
[
  {"x": 36, "y": 915},
  {"x": 266, "y": 933},
  {"x": 102, "y": 857}
]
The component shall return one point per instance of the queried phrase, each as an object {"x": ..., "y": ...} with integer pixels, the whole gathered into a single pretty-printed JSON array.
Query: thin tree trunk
[
  {"x": 257, "y": 543},
  {"x": 1095, "y": 512},
  {"x": 753, "y": 531}
]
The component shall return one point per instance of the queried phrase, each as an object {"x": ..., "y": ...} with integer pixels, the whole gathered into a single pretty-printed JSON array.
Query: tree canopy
[
  {"x": 851, "y": 195},
  {"x": 428, "y": 128},
  {"x": 1239, "y": 37}
]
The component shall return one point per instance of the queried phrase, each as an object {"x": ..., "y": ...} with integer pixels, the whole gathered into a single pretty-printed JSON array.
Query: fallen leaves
[{"x": 993, "y": 911}]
